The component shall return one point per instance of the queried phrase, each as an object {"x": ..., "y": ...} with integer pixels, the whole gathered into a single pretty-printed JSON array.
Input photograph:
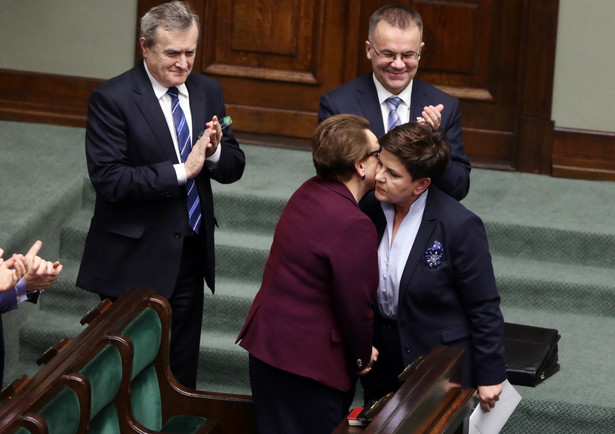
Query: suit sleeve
[
  {"x": 326, "y": 109},
  {"x": 122, "y": 166},
  {"x": 455, "y": 181},
  {"x": 476, "y": 286},
  {"x": 354, "y": 263},
  {"x": 232, "y": 161},
  {"x": 8, "y": 300}
]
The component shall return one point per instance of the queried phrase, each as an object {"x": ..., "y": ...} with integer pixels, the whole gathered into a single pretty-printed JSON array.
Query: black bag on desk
[{"x": 531, "y": 353}]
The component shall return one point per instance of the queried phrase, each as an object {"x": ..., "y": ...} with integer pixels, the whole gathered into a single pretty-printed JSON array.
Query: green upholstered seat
[
  {"x": 145, "y": 332},
  {"x": 104, "y": 372},
  {"x": 62, "y": 412}
]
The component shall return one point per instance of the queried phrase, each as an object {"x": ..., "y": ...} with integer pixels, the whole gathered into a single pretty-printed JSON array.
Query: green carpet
[{"x": 552, "y": 242}]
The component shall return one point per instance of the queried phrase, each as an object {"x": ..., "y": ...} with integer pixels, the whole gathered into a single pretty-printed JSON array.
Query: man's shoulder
[
  {"x": 198, "y": 79},
  {"x": 421, "y": 87},
  {"x": 119, "y": 83},
  {"x": 447, "y": 207},
  {"x": 362, "y": 82}
]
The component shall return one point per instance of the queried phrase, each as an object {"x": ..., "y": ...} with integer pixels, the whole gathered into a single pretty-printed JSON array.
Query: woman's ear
[
  {"x": 423, "y": 184},
  {"x": 360, "y": 169}
]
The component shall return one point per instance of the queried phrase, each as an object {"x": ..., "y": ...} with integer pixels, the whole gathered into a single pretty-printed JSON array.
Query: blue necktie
[
  {"x": 393, "y": 102},
  {"x": 185, "y": 146}
]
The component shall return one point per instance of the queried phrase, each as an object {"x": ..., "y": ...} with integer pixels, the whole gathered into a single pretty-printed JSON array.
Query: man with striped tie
[
  {"x": 153, "y": 145},
  {"x": 391, "y": 95}
]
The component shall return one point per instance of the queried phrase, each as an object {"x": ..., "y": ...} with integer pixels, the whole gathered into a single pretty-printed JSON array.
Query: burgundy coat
[{"x": 313, "y": 313}]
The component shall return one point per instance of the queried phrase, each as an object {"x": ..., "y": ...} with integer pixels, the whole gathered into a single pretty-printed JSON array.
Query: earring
[{"x": 363, "y": 177}]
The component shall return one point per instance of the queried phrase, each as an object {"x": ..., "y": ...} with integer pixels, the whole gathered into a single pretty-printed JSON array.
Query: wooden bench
[
  {"x": 115, "y": 377},
  {"x": 430, "y": 400}
]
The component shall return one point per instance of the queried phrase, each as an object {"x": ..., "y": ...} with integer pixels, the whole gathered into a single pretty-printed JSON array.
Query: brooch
[{"x": 434, "y": 254}]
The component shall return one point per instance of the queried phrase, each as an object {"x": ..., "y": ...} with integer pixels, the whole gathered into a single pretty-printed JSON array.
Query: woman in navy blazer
[
  {"x": 437, "y": 285},
  {"x": 309, "y": 330}
]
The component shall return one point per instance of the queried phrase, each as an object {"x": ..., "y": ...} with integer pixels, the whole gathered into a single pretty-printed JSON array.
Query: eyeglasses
[
  {"x": 389, "y": 56},
  {"x": 376, "y": 153}
]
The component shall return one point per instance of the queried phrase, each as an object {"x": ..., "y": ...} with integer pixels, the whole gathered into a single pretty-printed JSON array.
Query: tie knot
[
  {"x": 393, "y": 102},
  {"x": 173, "y": 92}
]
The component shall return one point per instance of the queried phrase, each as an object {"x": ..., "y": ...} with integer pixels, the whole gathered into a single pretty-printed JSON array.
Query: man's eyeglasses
[
  {"x": 389, "y": 56},
  {"x": 376, "y": 153}
]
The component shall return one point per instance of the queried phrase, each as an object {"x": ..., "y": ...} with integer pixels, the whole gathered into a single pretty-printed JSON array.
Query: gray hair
[
  {"x": 400, "y": 16},
  {"x": 176, "y": 16}
]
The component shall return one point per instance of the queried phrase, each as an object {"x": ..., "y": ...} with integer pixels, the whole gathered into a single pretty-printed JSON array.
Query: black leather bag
[{"x": 531, "y": 353}]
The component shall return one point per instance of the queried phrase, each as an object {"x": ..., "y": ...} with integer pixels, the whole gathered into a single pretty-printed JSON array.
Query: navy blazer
[
  {"x": 140, "y": 217},
  {"x": 455, "y": 302},
  {"x": 360, "y": 97},
  {"x": 313, "y": 314}
]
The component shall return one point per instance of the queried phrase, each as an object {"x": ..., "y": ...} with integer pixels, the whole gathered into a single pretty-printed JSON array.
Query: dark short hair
[
  {"x": 420, "y": 147},
  {"x": 400, "y": 16},
  {"x": 176, "y": 16},
  {"x": 337, "y": 144}
]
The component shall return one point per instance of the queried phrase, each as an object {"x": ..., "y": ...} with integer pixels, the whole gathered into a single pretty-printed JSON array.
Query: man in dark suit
[
  {"x": 151, "y": 168},
  {"x": 394, "y": 45},
  {"x": 437, "y": 285}
]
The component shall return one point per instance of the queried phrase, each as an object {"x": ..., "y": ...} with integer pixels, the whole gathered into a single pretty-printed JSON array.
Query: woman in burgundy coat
[{"x": 309, "y": 330}]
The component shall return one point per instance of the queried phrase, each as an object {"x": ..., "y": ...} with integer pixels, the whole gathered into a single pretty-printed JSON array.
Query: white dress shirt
[
  {"x": 392, "y": 257},
  {"x": 403, "y": 111},
  {"x": 164, "y": 99}
]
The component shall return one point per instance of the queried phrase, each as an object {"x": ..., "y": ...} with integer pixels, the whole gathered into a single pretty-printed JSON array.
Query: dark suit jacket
[
  {"x": 360, "y": 97},
  {"x": 455, "y": 303},
  {"x": 137, "y": 232},
  {"x": 313, "y": 314}
]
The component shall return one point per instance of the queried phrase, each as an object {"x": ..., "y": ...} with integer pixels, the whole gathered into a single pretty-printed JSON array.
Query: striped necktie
[
  {"x": 393, "y": 102},
  {"x": 185, "y": 146}
]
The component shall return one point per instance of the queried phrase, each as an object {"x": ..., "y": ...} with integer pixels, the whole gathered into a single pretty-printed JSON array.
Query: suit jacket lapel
[
  {"x": 418, "y": 248},
  {"x": 418, "y": 99},
  {"x": 367, "y": 98},
  {"x": 198, "y": 107},
  {"x": 150, "y": 108}
]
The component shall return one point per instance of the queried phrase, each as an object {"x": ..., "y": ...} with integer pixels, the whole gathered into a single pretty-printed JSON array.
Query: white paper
[{"x": 482, "y": 422}]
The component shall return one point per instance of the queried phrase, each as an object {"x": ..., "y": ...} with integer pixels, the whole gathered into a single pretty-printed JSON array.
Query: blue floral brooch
[{"x": 433, "y": 255}]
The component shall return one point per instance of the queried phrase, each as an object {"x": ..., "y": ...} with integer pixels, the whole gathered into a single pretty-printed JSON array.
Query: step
[
  {"x": 586, "y": 356},
  {"x": 559, "y": 417},
  {"x": 227, "y": 309},
  {"x": 223, "y": 365},
  {"x": 555, "y": 287},
  {"x": 241, "y": 254},
  {"x": 539, "y": 243},
  {"x": 74, "y": 233},
  {"x": 49, "y": 328},
  {"x": 578, "y": 398},
  {"x": 248, "y": 213}
]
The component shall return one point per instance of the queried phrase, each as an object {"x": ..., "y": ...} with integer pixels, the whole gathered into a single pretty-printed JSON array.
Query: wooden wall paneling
[
  {"x": 536, "y": 72},
  {"x": 584, "y": 154},
  {"x": 44, "y": 98},
  {"x": 274, "y": 59}
]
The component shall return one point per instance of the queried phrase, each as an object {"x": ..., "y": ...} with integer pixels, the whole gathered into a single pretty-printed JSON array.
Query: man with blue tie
[
  {"x": 153, "y": 145},
  {"x": 391, "y": 95}
]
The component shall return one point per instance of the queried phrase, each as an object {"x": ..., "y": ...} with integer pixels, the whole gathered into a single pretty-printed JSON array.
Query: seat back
[
  {"x": 145, "y": 333},
  {"x": 104, "y": 373},
  {"x": 56, "y": 410}
]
